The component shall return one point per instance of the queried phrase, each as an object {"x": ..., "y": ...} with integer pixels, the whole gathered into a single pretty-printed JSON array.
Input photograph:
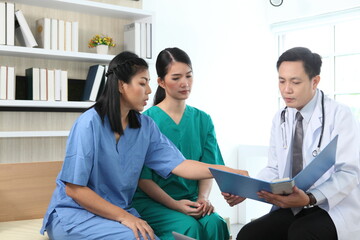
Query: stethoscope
[{"x": 283, "y": 130}]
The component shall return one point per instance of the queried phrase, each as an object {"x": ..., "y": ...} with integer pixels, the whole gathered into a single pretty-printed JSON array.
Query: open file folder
[{"x": 248, "y": 187}]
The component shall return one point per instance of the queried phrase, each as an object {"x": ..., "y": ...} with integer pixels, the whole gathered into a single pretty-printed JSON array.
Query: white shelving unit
[
  {"x": 22, "y": 107},
  {"x": 80, "y": 6},
  {"x": 44, "y": 104},
  {"x": 17, "y": 51},
  {"x": 24, "y": 134}
]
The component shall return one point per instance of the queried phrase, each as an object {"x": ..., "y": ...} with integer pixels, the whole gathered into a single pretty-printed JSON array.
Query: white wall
[
  {"x": 234, "y": 56},
  {"x": 295, "y": 9}
]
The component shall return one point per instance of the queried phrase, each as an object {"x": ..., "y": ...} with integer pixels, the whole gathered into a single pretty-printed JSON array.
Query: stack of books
[
  {"x": 7, "y": 83},
  {"x": 95, "y": 82},
  {"x": 57, "y": 34},
  {"x": 137, "y": 39},
  {"x": 7, "y": 23},
  {"x": 47, "y": 84}
]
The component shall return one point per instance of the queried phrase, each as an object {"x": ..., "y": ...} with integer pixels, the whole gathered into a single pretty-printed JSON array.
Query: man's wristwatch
[{"x": 312, "y": 201}]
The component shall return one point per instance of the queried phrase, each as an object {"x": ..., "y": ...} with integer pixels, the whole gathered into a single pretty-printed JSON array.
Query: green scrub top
[{"x": 195, "y": 137}]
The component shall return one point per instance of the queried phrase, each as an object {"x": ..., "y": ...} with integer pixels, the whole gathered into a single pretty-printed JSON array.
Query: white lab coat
[{"x": 340, "y": 185}]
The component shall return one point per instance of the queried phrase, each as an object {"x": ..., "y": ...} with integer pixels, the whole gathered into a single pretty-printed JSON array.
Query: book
[
  {"x": 64, "y": 85},
  {"x": 248, "y": 187},
  {"x": 10, "y": 23},
  {"x": 54, "y": 34},
  {"x": 148, "y": 40},
  {"x": 103, "y": 82},
  {"x": 11, "y": 83},
  {"x": 3, "y": 82},
  {"x": 33, "y": 83},
  {"x": 132, "y": 38},
  {"x": 43, "y": 84},
  {"x": 75, "y": 36},
  {"x": 23, "y": 32},
  {"x": 142, "y": 40},
  {"x": 67, "y": 36},
  {"x": 2, "y": 23},
  {"x": 57, "y": 85},
  {"x": 43, "y": 32},
  {"x": 61, "y": 35},
  {"x": 50, "y": 84},
  {"x": 93, "y": 81}
]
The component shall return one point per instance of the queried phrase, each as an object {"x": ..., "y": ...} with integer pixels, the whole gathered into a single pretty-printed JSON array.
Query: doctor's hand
[
  {"x": 231, "y": 199},
  {"x": 297, "y": 198}
]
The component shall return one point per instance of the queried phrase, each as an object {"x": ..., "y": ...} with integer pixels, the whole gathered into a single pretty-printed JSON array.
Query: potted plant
[{"x": 101, "y": 42}]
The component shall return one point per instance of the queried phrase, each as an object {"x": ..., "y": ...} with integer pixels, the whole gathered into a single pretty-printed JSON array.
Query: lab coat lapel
[{"x": 313, "y": 131}]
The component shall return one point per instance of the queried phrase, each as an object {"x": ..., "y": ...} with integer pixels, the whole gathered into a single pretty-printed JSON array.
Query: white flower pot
[{"x": 102, "y": 49}]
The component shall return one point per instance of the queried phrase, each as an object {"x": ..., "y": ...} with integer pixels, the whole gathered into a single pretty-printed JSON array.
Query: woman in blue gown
[{"x": 107, "y": 147}]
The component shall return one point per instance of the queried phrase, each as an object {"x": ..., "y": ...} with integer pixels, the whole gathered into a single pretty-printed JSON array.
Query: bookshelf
[{"x": 33, "y": 131}]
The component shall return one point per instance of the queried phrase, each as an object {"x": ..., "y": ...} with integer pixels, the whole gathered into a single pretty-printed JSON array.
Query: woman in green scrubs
[{"x": 178, "y": 204}]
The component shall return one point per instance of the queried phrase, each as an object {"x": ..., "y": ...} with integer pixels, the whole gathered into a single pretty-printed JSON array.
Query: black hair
[
  {"x": 163, "y": 62},
  {"x": 121, "y": 68},
  {"x": 311, "y": 61}
]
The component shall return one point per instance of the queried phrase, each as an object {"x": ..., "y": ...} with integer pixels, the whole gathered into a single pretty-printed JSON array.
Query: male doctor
[{"x": 331, "y": 208}]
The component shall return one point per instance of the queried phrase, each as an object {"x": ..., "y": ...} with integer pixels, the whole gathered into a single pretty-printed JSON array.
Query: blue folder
[{"x": 248, "y": 187}]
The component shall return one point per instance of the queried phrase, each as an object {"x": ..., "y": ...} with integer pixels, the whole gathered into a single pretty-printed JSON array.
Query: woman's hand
[
  {"x": 207, "y": 207},
  {"x": 138, "y": 225},
  {"x": 190, "y": 208}
]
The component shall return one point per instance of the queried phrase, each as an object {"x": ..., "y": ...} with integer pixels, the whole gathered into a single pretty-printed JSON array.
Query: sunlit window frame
[{"x": 328, "y": 19}]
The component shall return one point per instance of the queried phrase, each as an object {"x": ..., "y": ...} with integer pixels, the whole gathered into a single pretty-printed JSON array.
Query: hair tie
[{"x": 108, "y": 73}]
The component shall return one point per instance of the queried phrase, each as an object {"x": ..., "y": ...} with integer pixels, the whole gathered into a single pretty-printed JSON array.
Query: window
[{"x": 336, "y": 37}]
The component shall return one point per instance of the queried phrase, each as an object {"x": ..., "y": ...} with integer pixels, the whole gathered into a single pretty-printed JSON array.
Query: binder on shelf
[
  {"x": 50, "y": 84},
  {"x": 143, "y": 40},
  {"x": 54, "y": 34},
  {"x": 64, "y": 86},
  {"x": 33, "y": 83},
  {"x": 248, "y": 187},
  {"x": 23, "y": 32},
  {"x": 75, "y": 36},
  {"x": 132, "y": 38},
  {"x": 57, "y": 85},
  {"x": 103, "y": 82},
  {"x": 3, "y": 83},
  {"x": 43, "y": 84},
  {"x": 67, "y": 36},
  {"x": 2, "y": 23},
  {"x": 43, "y": 32},
  {"x": 93, "y": 81},
  {"x": 148, "y": 40},
  {"x": 11, "y": 83},
  {"x": 10, "y": 23},
  {"x": 61, "y": 35}
]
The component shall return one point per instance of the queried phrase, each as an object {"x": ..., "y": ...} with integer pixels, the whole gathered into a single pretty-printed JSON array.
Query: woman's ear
[
  {"x": 121, "y": 86},
  {"x": 161, "y": 82}
]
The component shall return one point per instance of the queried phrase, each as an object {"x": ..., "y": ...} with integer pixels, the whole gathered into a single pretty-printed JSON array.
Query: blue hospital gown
[{"x": 111, "y": 169}]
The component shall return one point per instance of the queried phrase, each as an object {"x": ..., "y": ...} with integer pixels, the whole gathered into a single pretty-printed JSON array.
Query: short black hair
[{"x": 311, "y": 61}]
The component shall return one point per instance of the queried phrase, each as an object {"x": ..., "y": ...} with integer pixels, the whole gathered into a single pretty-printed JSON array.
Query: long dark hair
[
  {"x": 163, "y": 61},
  {"x": 121, "y": 68}
]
